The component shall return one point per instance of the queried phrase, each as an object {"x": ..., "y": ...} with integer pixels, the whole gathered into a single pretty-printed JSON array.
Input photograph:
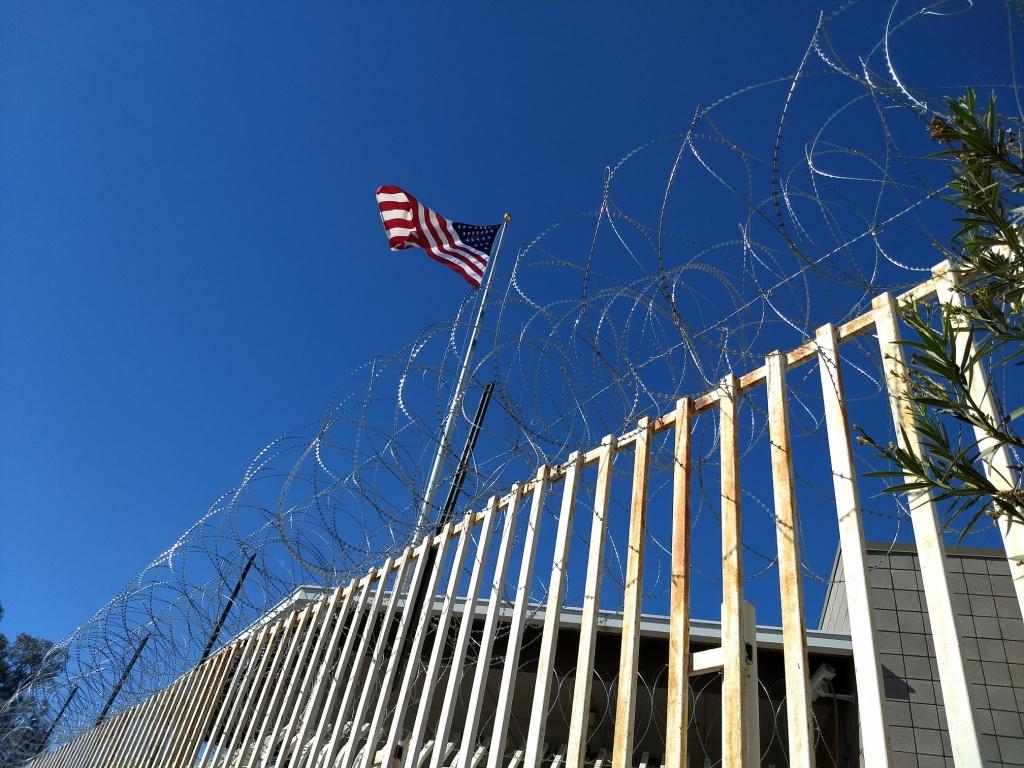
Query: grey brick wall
[{"x": 993, "y": 639}]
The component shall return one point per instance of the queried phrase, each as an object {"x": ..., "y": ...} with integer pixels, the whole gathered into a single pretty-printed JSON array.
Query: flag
[{"x": 464, "y": 248}]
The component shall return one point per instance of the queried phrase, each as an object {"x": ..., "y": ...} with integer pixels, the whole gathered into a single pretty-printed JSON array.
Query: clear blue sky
[{"x": 190, "y": 257}]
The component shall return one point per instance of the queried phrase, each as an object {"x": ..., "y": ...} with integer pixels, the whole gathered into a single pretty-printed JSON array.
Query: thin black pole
[
  {"x": 467, "y": 452},
  {"x": 124, "y": 677},
  {"x": 418, "y": 603},
  {"x": 227, "y": 608},
  {"x": 60, "y": 714}
]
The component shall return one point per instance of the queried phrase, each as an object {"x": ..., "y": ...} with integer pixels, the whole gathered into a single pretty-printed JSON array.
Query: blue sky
[{"x": 190, "y": 256}]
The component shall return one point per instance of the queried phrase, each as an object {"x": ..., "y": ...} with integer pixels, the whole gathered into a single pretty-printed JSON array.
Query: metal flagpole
[{"x": 460, "y": 385}]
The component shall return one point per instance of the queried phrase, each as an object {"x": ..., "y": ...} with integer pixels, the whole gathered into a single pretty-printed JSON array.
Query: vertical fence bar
[
  {"x": 81, "y": 759},
  {"x": 323, "y": 706},
  {"x": 107, "y": 730},
  {"x": 64, "y": 753},
  {"x": 996, "y": 460},
  {"x": 735, "y": 737},
  {"x": 503, "y": 707},
  {"x": 483, "y": 658},
  {"x": 127, "y": 718},
  {"x": 533, "y": 753},
  {"x": 118, "y": 727},
  {"x": 134, "y": 735},
  {"x": 284, "y": 688},
  {"x": 58, "y": 755},
  {"x": 427, "y": 690},
  {"x": 189, "y": 684},
  {"x": 253, "y": 646},
  {"x": 931, "y": 551},
  {"x": 255, "y": 708},
  {"x": 248, "y": 709},
  {"x": 629, "y": 654},
  {"x": 787, "y": 536},
  {"x": 751, "y": 702},
  {"x": 67, "y": 759},
  {"x": 183, "y": 712},
  {"x": 81, "y": 744},
  {"x": 591, "y": 605},
  {"x": 405, "y": 689},
  {"x": 122, "y": 719},
  {"x": 677, "y": 719},
  {"x": 349, "y": 750},
  {"x": 151, "y": 738},
  {"x": 190, "y": 744},
  {"x": 139, "y": 750},
  {"x": 84, "y": 742},
  {"x": 158, "y": 729},
  {"x": 288, "y": 709},
  {"x": 867, "y": 667},
  {"x": 315, "y": 673},
  {"x": 95, "y": 745},
  {"x": 288, "y": 681},
  {"x": 458, "y": 657},
  {"x": 102, "y": 728},
  {"x": 408, "y": 616},
  {"x": 333, "y": 670},
  {"x": 137, "y": 714}
]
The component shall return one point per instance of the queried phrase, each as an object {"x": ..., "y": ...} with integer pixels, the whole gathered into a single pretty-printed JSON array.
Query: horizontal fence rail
[{"x": 415, "y": 665}]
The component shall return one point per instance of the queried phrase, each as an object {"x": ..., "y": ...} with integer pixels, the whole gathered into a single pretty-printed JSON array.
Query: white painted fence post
[
  {"x": 931, "y": 552},
  {"x": 867, "y": 668}
]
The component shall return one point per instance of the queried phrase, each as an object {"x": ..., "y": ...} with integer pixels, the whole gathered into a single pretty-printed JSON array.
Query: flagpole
[{"x": 434, "y": 480}]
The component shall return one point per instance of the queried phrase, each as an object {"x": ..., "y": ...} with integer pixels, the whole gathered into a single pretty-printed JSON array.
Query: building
[{"x": 992, "y": 633}]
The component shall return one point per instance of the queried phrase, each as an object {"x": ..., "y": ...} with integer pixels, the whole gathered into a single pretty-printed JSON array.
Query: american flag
[{"x": 408, "y": 223}]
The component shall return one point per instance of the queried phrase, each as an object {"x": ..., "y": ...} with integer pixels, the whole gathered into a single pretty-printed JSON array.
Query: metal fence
[{"x": 413, "y": 665}]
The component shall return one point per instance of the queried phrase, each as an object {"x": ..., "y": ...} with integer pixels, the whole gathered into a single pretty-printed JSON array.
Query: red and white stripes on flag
[{"x": 464, "y": 248}]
